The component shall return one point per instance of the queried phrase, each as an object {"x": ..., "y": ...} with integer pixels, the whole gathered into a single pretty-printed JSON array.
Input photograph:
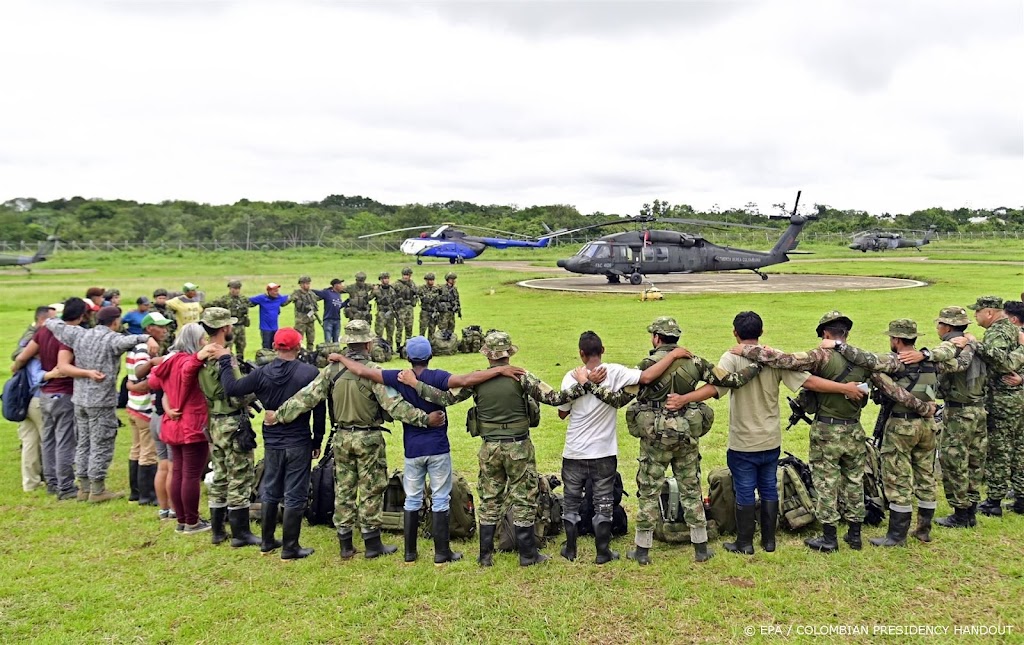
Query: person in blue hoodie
[{"x": 288, "y": 448}]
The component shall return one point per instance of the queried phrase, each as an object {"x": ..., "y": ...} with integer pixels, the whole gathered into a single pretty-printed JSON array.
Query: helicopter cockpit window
[{"x": 598, "y": 251}]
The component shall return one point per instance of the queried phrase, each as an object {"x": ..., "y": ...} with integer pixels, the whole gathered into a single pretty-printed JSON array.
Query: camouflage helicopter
[
  {"x": 887, "y": 240},
  {"x": 635, "y": 254},
  {"x": 44, "y": 250}
]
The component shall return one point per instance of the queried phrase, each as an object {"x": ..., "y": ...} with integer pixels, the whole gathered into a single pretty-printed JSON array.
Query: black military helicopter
[
  {"x": 888, "y": 240},
  {"x": 44, "y": 250},
  {"x": 635, "y": 254}
]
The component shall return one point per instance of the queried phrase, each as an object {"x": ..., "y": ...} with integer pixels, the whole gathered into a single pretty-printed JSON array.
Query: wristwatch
[
  {"x": 840, "y": 345},
  {"x": 926, "y": 353}
]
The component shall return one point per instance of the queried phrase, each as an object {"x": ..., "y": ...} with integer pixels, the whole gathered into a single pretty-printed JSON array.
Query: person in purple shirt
[
  {"x": 333, "y": 304},
  {"x": 427, "y": 452},
  {"x": 270, "y": 310}
]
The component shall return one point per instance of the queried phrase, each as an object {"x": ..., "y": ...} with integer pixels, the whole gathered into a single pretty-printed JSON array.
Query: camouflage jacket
[
  {"x": 237, "y": 305},
  {"x": 1001, "y": 350},
  {"x": 408, "y": 292},
  {"x": 882, "y": 364},
  {"x": 320, "y": 390},
  {"x": 24, "y": 340},
  {"x": 305, "y": 305},
  {"x": 815, "y": 361},
  {"x": 387, "y": 298},
  {"x": 429, "y": 297},
  {"x": 359, "y": 296},
  {"x": 448, "y": 301},
  {"x": 535, "y": 388}
]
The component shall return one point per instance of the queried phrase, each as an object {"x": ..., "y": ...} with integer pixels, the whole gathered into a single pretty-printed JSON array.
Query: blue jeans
[
  {"x": 267, "y": 338},
  {"x": 286, "y": 474},
  {"x": 754, "y": 470},
  {"x": 332, "y": 330},
  {"x": 439, "y": 467}
]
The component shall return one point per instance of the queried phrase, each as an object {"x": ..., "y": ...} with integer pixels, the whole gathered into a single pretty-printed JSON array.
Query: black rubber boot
[
  {"x": 1018, "y": 505},
  {"x": 486, "y": 558},
  {"x": 526, "y": 540},
  {"x": 960, "y": 519},
  {"x": 241, "y": 534},
  {"x": 147, "y": 485},
  {"x": 603, "y": 541},
  {"x": 744, "y": 543},
  {"x": 410, "y": 525},
  {"x": 268, "y": 524},
  {"x": 899, "y": 524},
  {"x": 569, "y": 548},
  {"x": 440, "y": 528},
  {"x": 991, "y": 507},
  {"x": 217, "y": 518},
  {"x": 345, "y": 545},
  {"x": 374, "y": 547},
  {"x": 826, "y": 543},
  {"x": 701, "y": 552},
  {"x": 972, "y": 514},
  {"x": 291, "y": 527},
  {"x": 641, "y": 554},
  {"x": 769, "y": 520},
  {"x": 924, "y": 524},
  {"x": 852, "y": 536},
  {"x": 133, "y": 481}
]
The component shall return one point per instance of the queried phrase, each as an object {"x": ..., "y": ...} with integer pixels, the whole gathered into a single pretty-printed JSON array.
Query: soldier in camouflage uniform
[
  {"x": 304, "y": 299},
  {"x": 233, "y": 474},
  {"x": 908, "y": 447},
  {"x": 358, "y": 408},
  {"x": 359, "y": 296},
  {"x": 1004, "y": 465},
  {"x": 669, "y": 438},
  {"x": 837, "y": 442},
  {"x": 238, "y": 305},
  {"x": 448, "y": 304},
  {"x": 508, "y": 467},
  {"x": 388, "y": 302},
  {"x": 429, "y": 295},
  {"x": 408, "y": 292}
]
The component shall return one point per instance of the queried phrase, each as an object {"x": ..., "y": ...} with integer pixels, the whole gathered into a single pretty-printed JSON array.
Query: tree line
[{"x": 344, "y": 217}]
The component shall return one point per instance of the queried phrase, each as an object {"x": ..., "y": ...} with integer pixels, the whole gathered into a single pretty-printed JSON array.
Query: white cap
[{"x": 57, "y": 306}]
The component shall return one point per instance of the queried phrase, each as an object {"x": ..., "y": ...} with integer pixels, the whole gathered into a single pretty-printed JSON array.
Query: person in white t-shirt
[{"x": 591, "y": 443}]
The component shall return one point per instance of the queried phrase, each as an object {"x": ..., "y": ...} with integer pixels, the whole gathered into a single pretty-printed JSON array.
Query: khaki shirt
[{"x": 754, "y": 421}]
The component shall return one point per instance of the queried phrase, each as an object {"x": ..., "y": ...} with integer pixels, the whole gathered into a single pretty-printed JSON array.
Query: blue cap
[{"x": 417, "y": 348}]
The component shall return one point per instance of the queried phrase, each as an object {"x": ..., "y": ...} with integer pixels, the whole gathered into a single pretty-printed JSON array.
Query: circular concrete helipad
[{"x": 726, "y": 283}]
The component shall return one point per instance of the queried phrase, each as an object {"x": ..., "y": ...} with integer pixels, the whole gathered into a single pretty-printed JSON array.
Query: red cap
[{"x": 287, "y": 339}]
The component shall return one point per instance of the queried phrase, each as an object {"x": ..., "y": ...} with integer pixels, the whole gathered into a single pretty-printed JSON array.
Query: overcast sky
[{"x": 882, "y": 106}]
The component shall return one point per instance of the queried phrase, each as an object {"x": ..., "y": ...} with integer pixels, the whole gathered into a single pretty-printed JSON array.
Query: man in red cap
[{"x": 270, "y": 304}]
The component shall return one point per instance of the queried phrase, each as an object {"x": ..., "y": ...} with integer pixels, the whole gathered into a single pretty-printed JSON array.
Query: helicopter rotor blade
[
  {"x": 492, "y": 230},
  {"x": 399, "y": 230},
  {"x": 624, "y": 220},
  {"x": 704, "y": 222}
]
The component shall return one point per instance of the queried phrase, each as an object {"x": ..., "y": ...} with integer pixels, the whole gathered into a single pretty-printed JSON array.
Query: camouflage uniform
[
  {"x": 239, "y": 307},
  {"x": 359, "y": 296},
  {"x": 388, "y": 303},
  {"x": 407, "y": 295},
  {"x": 305, "y": 302},
  {"x": 429, "y": 295},
  {"x": 448, "y": 304},
  {"x": 1004, "y": 466}
]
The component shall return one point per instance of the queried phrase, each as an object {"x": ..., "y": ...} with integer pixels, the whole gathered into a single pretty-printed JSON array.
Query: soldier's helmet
[
  {"x": 383, "y": 274},
  {"x": 428, "y": 276},
  {"x": 305, "y": 279},
  {"x": 360, "y": 277},
  {"x": 665, "y": 326},
  {"x": 217, "y": 317},
  {"x": 234, "y": 284},
  {"x": 904, "y": 328},
  {"x": 987, "y": 302},
  {"x": 357, "y": 331},
  {"x": 450, "y": 276},
  {"x": 498, "y": 344},
  {"x": 407, "y": 271},
  {"x": 833, "y": 317},
  {"x": 953, "y": 316}
]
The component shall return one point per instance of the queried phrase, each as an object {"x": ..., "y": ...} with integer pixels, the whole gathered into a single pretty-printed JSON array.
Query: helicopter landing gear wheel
[
  {"x": 419, "y": 261},
  {"x": 635, "y": 278},
  {"x": 764, "y": 276},
  {"x": 451, "y": 260}
]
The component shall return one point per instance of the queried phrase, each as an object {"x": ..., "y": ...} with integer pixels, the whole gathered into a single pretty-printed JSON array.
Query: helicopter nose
[
  {"x": 855, "y": 247},
  {"x": 564, "y": 264}
]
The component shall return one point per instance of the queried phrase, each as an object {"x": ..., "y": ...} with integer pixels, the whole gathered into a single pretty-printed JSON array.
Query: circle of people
[{"x": 190, "y": 404}]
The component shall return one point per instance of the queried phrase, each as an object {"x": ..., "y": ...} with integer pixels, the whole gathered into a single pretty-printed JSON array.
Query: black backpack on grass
[
  {"x": 620, "y": 521},
  {"x": 320, "y": 509}
]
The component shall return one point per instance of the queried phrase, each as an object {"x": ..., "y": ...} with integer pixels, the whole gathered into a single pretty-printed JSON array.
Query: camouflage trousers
[
  {"x": 908, "y": 463},
  {"x": 403, "y": 325},
  {"x": 358, "y": 314},
  {"x": 307, "y": 329},
  {"x": 428, "y": 323},
  {"x": 97, "y": 432},
  {"x": 962, "y": 447},
  {"x": 360, "y": 479},
  {"x": 654, "y": 462},
  {"x": 239, "y": 340},
  {"x": 837, "y": 456},
  {"x": 446, "y": 321},
  {"x": 1004, "y": 466},
  {"x": 508, "y": 473},
  {"x": 385, "y": 326},
  {"x": 233, "y": 473}
]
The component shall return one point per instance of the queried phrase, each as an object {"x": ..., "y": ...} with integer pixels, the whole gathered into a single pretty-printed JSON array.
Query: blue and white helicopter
[{"x": 456, "y": 246}]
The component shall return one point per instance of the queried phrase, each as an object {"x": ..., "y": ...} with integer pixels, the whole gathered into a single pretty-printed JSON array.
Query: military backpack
[
  {"x": 461, "y": 510},
  {"x": 320, "y": 509},
  {"x": 721, "y": 502},
  {"x": 875, "y": 501},
  {"x": 265, "y": 356},
  {"x": 380, "y": 351},
  {"x": 671, "y": 526},
  {"x": 472, "y": 340},
  {"x": 796, "y": 493},
  {"x": 393, "y": 516},
  {"x": 548, "y": 522},
  {"x": 444, "y": 343}
]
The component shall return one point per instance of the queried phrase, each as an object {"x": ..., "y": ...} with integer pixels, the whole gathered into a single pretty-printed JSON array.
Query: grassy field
[{"x": 112, "y": 573}]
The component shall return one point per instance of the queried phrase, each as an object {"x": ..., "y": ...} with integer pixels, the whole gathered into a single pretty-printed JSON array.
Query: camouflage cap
[
  {"x": 987, "y": 302},
  {"x": 903, "y": 328},
  {"x": 159, "y": 292},
  {"x": 451, "y": 276},
  {"x": 383, "y": 274},
  {"x": 953, "y": 316},
  {"x": 666, "y": 326},
  {"x": 831, "y": 317},
  {"x": 407, "y": 271},
  {"x": 217, "y": 317},
  {"x": 357, "y": 331},
  {"x": 360, "y": 276},
  {"x": 498, "y": 344},
  {"x": 304, "y": 279},
  {"x": 234, "y": 284},
  {"x": 428, "y": 276}
]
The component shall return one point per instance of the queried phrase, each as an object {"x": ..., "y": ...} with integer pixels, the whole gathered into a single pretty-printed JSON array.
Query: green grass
[{"x": 76, "y": 573}]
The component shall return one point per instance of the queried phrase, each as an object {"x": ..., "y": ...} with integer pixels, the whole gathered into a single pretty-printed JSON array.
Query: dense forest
[{"x": 345, "y": 217}]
